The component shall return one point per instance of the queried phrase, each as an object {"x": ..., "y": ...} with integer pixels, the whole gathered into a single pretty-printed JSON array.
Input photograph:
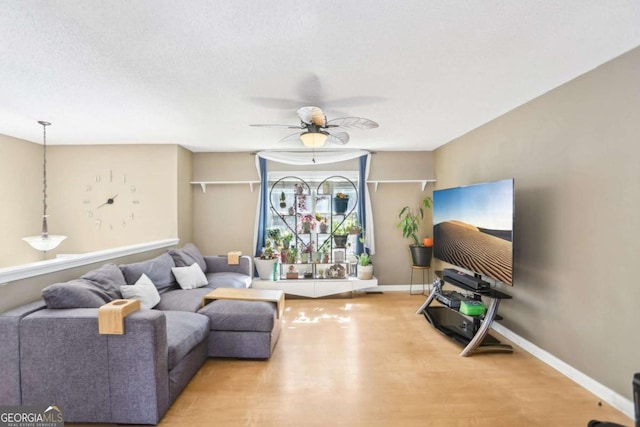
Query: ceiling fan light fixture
[{"x": 313, "y": 139}]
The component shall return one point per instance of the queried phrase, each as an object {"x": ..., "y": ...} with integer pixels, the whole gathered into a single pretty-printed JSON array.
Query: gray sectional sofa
[{"x": 52, "y": 353}]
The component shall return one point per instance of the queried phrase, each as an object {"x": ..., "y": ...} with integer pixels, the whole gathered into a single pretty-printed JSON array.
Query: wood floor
[{"x": 371, "y": 361}]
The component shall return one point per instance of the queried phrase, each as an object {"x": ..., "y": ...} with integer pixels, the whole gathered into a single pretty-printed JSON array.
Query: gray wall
[{"x": 574, "y": 155}]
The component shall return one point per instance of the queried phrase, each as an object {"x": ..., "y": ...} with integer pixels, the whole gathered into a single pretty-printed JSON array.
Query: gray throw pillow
[
  {"x": 74, "y": 294},
  {"x": 108, "y": 277},
  {"x": 157, "y": 269},
  {"x": 187, "y": 255}
]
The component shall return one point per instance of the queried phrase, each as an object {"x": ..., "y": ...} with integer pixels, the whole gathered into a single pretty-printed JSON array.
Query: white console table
[{"x": 315, "y": 288}]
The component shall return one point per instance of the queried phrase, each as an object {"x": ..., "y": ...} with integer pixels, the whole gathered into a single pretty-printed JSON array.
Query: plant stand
[{"x": 417, "y": 267}]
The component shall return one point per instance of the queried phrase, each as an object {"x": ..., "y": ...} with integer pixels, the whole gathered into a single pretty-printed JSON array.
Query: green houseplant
[
  {"x": 365, "y": 268},
  {"x": 410, "y": 225},
  {"x": 340, "y": 235}
]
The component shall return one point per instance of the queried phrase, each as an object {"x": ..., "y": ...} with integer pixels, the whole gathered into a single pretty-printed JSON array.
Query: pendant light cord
[{"x": 45, "y": 228}]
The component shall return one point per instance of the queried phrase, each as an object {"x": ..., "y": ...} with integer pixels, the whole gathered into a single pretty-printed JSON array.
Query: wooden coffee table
[{"x": 247, "y": 294}]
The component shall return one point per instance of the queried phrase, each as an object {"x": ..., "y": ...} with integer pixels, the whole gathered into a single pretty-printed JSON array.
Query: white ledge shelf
[
  {"x": 423, "y": 182},
  {"x": 65, "y": 262},
  {"x": 203, "y": 184}
]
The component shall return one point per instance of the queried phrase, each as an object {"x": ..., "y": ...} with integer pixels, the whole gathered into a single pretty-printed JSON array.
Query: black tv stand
[{"x": 470, "y": 331}]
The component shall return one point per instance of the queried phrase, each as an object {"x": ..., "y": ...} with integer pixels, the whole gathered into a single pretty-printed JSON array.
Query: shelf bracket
[{"x": 204, "y": 187}]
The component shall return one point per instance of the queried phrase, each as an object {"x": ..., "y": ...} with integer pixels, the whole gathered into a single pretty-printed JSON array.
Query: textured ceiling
[{"x": 198, "y": 72}]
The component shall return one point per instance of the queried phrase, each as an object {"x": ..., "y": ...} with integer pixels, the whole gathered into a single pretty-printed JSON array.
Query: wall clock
[{"x": 110, "y": 201}]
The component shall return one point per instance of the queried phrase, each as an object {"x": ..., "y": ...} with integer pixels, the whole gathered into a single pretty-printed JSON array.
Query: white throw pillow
[
  {"x": 190, "y": 277},
  {"x": 144, "y": 290}
]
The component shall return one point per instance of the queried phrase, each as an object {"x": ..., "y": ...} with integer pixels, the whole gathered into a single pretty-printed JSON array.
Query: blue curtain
[
  {"x": 362, "y": 187},
  {"x": 263, "y": 207}
]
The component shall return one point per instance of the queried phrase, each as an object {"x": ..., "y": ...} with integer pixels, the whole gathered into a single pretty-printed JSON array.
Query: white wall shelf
[
  {"x": 203, "y": 184},
  {"x": 422, "y": 182}
]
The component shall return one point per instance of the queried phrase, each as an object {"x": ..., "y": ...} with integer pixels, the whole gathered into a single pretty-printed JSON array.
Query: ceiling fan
[{"x": 314, "y": 128}]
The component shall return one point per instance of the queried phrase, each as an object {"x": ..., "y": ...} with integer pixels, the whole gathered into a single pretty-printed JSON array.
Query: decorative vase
[
  {"x": 365, "y": 272},
  {"x": 340, "y": 205},
  {"x": 326, "y": 187},
  {"x": 304, "y": 257},
  {"x": 306, "y": 227},
  {"x": 266, "y": 268},
  {"x": 323, "y": 227}
]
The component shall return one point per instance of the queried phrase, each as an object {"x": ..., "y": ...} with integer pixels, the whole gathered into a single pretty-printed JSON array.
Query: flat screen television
[{"x": 473, "y": 228}]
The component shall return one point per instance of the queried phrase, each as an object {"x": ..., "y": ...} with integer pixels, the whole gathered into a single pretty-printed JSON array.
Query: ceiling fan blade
[
  {"x": 339, "y": 138},
  {"x": 353, "y": 101},
  {"x": 310, "y": 89},
  {"x": 279, "y": 103},
  {"x": 276, "y": 126},
  {"x": 352, "y": 123},
  {"x": 294, "y": 137}
]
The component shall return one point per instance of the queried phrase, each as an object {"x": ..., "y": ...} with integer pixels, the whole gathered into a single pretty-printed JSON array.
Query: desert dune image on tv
[{"x": 473, "y": 228}]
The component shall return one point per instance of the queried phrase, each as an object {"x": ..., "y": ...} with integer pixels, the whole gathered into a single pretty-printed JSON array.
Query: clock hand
[{"x": 108, "y": 202}]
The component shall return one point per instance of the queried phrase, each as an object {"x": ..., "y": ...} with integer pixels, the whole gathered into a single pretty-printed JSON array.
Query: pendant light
[{"x": 45, "y": 241}]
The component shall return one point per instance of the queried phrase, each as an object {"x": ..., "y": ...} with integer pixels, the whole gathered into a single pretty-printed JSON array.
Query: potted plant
[
  {"x": 410, "y": 225},
  {"x": 324, "y": 254},
  {"x": 340, "y": 203},
  {"x": 266, "y": 263},
  {"x": 283, "y": 200},
  {"x": 306, "y": 224},
  {"x": 292, "y": 255},
  {"x": 352, "y": 226},
  {"x": 340, "y": 236},
  {"x": 306, "y": 251},
  {"x": 365, "y": 268},
  {"x": 275, "y": 235},
  {"x": 287, "y": 236},
  {"x": 322, "y": 222}
]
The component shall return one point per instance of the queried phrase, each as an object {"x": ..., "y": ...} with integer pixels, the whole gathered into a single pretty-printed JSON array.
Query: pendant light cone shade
[
  {"x": 45, "y": 241},
  {"x": 313, "y": 139}
]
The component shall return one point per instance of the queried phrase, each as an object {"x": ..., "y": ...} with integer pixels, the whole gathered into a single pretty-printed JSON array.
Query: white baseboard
[
  {"x": 621, "y": 403},
  {"x": 614, "y": 399}
]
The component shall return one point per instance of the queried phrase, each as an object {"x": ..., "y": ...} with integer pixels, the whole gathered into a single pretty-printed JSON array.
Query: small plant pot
[
  {"x": 340, "y": 241},
  {"x": 340, "y": 205},
  {"x": 421, "y": 255},
  {"x": 365, "y": 272}
]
